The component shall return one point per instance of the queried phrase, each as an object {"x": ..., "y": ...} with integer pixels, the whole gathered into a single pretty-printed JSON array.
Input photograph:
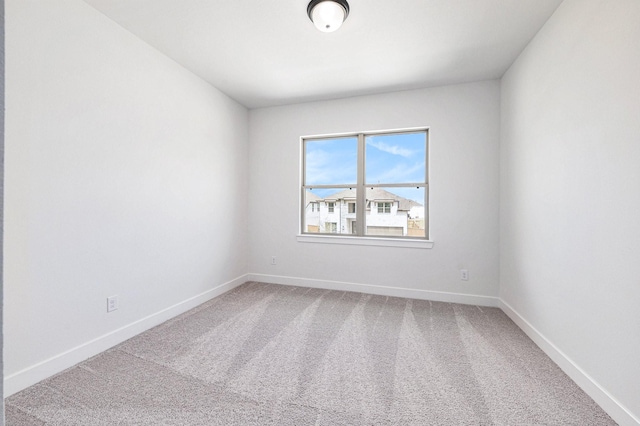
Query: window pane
[
  {"x": 396, "y": 212},
  {"x": 396, "y": 158},
  {"x": 335, "y": 212},
  {"x": 331, "y": 161}
]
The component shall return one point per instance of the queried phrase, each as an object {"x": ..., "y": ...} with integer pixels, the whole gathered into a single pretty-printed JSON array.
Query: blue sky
[
  {"x": 398, "y": 158},
  {"x": 332, "y": 161},
  {"x": 395, "y": 158}
]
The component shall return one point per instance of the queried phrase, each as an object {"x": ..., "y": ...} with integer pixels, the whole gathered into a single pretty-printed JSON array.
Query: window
[
  {"x": 381, "y": 177},
  {"x": 384, "y": 207},
  {"x": 331, "y": 227}
]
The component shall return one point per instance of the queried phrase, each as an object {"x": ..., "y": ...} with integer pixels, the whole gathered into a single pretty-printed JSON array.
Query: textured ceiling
[{"x": 267, "y": 52}]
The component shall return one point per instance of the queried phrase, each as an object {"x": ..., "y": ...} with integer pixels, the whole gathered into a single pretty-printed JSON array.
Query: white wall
[
  {"x": 1, "y": 199},
  {"x": 125, "y": 175},
  {"x": 464, "y": 148},
  {"x": 570, "y": 193}
]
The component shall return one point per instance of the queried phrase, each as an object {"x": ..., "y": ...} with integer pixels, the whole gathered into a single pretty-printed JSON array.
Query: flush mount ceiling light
[{"x": 328, "y": 15}]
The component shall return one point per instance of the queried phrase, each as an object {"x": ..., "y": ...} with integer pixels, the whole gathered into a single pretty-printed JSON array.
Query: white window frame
[{"x": 361, "y": 238}]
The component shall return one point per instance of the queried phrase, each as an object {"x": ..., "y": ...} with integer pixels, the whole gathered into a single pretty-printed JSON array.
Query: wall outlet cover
[{"x": 112, "y": 303}]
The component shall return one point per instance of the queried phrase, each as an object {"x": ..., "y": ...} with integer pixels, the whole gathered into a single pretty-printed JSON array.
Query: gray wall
[
  {"x": 464, "y": 190},
  {"x": 126, "y": 177},
  {"x": 1, "y": 206},
  {"x": 570, "y": 193}
]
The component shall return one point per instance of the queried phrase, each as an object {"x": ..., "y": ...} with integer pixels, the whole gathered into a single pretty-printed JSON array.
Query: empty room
[{"x": 321, "y": 212}]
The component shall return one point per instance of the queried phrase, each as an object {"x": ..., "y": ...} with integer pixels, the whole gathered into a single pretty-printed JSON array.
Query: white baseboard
[
  {"x": 611, "y": 405},
  {"x": 47, "y": 368},
  {"x": 438, "y": 296}
]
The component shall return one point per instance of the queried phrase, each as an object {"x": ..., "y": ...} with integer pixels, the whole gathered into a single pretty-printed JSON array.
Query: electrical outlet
[
  {"x": 464, "y": 275},
  {"x": 273, "y": 260},
  {"x": 112, "y": 303}
]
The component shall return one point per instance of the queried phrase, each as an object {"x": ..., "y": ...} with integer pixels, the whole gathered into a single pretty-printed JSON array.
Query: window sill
[{"x": 365, "y": 241}]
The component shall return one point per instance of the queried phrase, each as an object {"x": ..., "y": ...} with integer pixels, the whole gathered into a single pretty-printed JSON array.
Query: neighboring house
[
  {"x": 387, "y": 214},
  {"x": 312, "y": 212}
]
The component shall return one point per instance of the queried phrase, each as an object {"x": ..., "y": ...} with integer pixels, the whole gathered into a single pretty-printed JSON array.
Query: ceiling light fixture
[{"x": 328, "y": 15}]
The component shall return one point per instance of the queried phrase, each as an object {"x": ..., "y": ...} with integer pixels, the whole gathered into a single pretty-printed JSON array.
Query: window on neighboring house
[
  {"x": 331, "y": 227},
  {"x": 377, "y": 170},
  {"x": 384, "y": 207}
]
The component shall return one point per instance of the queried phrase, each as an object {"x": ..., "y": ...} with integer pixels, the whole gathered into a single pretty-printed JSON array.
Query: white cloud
[
  {"x": 391, "y": 149},
  {"x": 402, "y": 173},
  {"x": 324, "y": 167}
]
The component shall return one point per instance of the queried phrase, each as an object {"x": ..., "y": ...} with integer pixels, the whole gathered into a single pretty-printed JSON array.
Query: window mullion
[{"x": 361, "y": 191}]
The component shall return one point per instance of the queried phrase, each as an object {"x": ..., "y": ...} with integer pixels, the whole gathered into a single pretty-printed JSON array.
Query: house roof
[
  {"x": 347, "y": 194},
  {"x": 311, "y": 197},
  {"x": 375, "y": 194}
]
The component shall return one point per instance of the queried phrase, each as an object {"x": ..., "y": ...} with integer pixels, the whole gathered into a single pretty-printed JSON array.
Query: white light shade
[{"x": 328, "y": 16}]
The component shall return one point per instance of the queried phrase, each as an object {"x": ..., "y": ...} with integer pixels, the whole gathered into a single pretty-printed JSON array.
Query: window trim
[
  {"x": 361, "y": 238},
  {"x": 354, "y": 240}
]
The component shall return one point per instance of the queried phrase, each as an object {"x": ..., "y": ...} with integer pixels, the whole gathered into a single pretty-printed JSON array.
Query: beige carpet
[{"x": 275, "y": 355}]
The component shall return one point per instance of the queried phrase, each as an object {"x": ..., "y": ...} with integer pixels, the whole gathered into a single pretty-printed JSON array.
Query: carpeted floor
[{"x": 274, "y": 355}]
